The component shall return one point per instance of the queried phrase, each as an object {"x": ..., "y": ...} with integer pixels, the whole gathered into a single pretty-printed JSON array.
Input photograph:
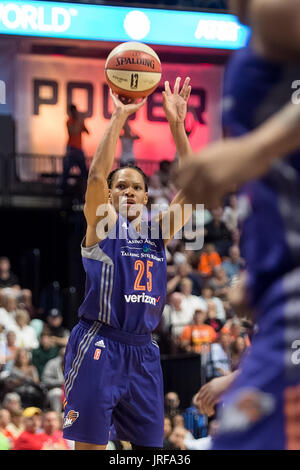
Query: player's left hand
[{"x": 175, "y": 104}]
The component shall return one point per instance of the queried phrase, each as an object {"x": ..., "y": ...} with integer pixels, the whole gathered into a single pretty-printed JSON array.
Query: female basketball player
[
  {"x": 112, "y": 366},
  {"x": 260, "y": 410}
]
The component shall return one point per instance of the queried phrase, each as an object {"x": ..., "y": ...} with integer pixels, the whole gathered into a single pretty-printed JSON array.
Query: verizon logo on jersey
[{"x": 141, "y": 298}]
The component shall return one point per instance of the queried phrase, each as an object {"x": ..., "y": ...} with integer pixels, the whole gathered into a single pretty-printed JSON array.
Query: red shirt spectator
[{"x": 31, "y": 438}]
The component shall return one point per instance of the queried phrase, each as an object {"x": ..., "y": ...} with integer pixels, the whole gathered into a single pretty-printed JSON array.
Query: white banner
[{"x": 45, "y": 85}]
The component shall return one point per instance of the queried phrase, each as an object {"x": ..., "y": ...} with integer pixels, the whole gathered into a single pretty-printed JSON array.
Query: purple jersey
[
  {"x": 126, "y": 279},
  {"x": 254, "y": 90}
]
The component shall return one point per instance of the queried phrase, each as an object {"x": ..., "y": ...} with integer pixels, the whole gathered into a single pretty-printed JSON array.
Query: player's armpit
[{"x": 100, "y": 215}]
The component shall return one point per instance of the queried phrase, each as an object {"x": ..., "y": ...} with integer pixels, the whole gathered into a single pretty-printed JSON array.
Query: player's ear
[
  {"x": 109, "y": 195},
  {"x": 145, "y": 199}
]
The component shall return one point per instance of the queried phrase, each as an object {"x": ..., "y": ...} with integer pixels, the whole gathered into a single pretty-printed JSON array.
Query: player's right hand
[
  {"x": 209, "y": 395},
  {"x": 126, "y": 106}
]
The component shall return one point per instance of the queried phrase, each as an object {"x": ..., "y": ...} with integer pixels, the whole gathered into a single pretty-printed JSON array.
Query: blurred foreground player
[
  {"x": 261, "y": 408},
  {"x": 112, "y": 367}
]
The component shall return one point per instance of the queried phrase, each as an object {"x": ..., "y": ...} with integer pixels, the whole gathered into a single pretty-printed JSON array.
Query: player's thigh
[{"x": 139, "y": 417}]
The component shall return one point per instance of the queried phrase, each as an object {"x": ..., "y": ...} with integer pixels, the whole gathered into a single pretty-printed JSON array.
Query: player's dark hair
[{"x": 131, "y": 166}]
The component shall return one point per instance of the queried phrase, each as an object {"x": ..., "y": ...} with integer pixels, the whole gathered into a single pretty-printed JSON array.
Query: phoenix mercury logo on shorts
[
  {"x": 70, "y": 418},
  {"x": 141, "y": 298}
]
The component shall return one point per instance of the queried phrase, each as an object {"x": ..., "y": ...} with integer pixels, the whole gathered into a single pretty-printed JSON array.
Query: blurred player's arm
[
  {"x": 227, "y": 164},
  {"x": 209, "y": 395},
  {"x": 97, "y": 192},
  {"x": 175, "y": 107},
  {"x": 276, "y": 27}
]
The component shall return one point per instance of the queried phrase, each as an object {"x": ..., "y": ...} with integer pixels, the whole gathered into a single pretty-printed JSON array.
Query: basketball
[{"x": 133, "y": 70}]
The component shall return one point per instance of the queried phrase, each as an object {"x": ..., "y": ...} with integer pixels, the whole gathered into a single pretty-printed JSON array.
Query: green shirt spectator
[{"x": 46, "y": 351}]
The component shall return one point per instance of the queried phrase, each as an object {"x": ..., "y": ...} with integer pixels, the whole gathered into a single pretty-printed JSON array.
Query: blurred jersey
[
  {"x": 125, "y": 279},
  {"x": 255, "y": 89}
]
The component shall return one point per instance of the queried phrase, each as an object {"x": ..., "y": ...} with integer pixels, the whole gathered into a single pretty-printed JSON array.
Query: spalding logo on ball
[{"x": 133, "y": 70}]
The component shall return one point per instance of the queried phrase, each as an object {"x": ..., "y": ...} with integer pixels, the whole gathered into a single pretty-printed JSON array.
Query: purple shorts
[{"x": 113, "y": 380}]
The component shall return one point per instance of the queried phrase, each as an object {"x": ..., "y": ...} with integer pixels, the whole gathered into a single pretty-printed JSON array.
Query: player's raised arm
[
  {"x": 225, "y": 165},
  {"x": 97, "y": 189},
  {"x": 175, "y": 107}
]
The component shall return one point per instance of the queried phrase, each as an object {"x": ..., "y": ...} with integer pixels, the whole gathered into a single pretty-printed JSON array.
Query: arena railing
[{"x": 26, "y": 173}]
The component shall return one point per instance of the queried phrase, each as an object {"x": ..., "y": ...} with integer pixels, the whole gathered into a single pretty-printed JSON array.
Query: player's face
[
  {"x": 128, "y": 194},
  {"x": 240, "y": 9}
]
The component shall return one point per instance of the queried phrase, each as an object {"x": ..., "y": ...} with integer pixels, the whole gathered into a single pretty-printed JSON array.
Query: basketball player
[
  {"x": 112, "y": 366},
  {"x": 261, "y": 407}
]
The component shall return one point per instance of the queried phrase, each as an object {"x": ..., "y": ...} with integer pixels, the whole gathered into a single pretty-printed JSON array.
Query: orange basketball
[{"x": 133, "y": 70}]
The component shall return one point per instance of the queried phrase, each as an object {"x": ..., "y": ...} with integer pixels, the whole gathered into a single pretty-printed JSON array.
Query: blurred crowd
[{"x": 199, "y": 318}]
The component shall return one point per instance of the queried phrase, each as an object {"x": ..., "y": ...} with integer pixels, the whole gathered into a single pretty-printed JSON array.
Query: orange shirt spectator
[
  {"x": 209, "y": 259},
  {"x": 195, "y": 336},
  {"x": 75, "y": 139}
]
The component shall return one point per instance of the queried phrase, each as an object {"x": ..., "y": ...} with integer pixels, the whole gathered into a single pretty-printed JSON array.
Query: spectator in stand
[
  {"x": 25, "y": 302},
  {"x": 196, "y": 335},
  {"x": 184, "y": 270},
  {"x": 238, "y": 348},
  {"x": 207, "y": 296},
  {"x": 165, "y": 168},
  {"x": 16, "y": 426},
  {"x": 59, "y": 333},
  {"x": 128, "y": 138},
  {"x": 158, "y": 193},
  {"x": 172, "y": 403},
  {"x": 7, "y": 277},
  {"x": 217, "y": 233},
  {"x": 189, "y": 302},
  {"x": 194, "y": 421},
  {"x": 31, "y": 438},
  {"x": 209, "y": 259},
  {"x": 52, "y": 428},
  {"x": 233, "y": 265},
  {"x": 203, "y": 443},
  {"x": 47, "y": 350},
  {"x": 167, "y": 432},
  {"x": 23, "y": 379},
  {"x": 12, "y": 402},
  {"x": 74, "y": 154},
  {"x": 53, "y": 380},
  {"x": 212, "y": 319},
  {"x": 8, "y": 306},
  {"x": 230, "y": 214},
  {"x": 177, "y": 437},
  {"x": 4, "y": 422},
  {"x": 11, "y": 349},
  {"x": 235, "y": 329},
  {"x": 219, "y": 358},
  {"x": 219, "y": 282},
  {"x": 25, "y": 334},
  {"x": 175, "y": 317},
  {"x": 4, "y": 443}
]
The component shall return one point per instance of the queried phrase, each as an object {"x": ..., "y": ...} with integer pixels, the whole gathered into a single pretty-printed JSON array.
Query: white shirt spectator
[
  {"x": 220, "y": 310},
  {"x": 198, "y": 444},
  {"x": 178, "y": 319},
  {"x": 26, "y": 337},
  {"x": 7, "y": 320}
]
